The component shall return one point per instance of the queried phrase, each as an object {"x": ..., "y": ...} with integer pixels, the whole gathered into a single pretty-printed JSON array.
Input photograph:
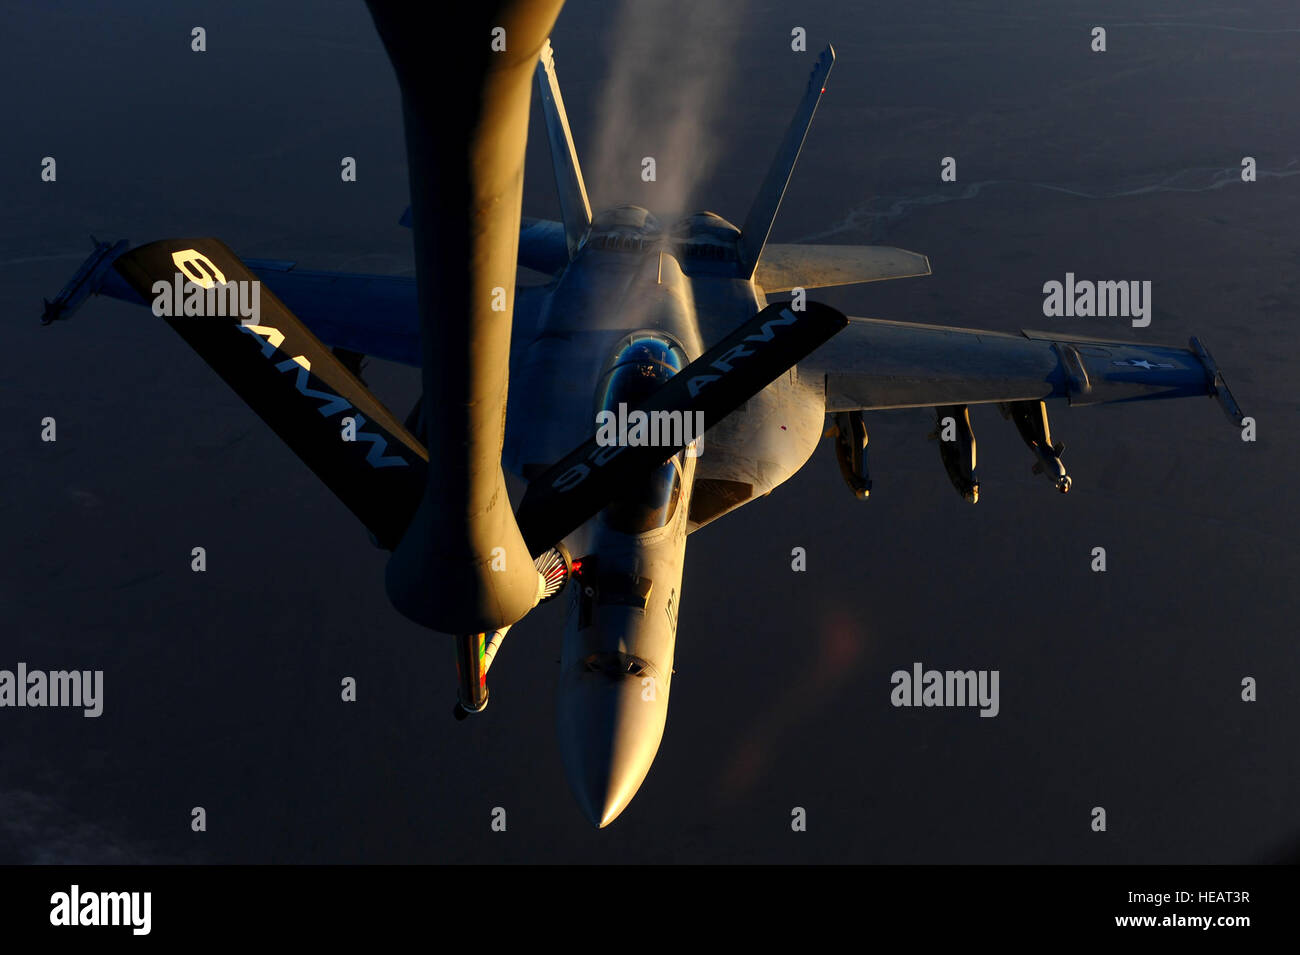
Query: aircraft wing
[
  {"x": 375, "y": 315},
  {"x": 875, "y": 364},
  {"x": 292, "y": 381},
  {"x": 371, "y": 314}
]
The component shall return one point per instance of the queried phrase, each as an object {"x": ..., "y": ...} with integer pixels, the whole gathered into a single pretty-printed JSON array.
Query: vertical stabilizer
[
  {"x": 758, "y": 224},
  {"x": 575, "y": 210}
]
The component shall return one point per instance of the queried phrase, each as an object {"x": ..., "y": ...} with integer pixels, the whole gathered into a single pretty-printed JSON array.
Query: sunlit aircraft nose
[{"x": 610, "y": 725}]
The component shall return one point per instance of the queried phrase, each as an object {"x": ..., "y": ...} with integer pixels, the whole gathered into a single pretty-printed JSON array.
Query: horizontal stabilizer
[
  {"x": 719, "y": 381},
  {"x": 784, "y": 267},
  {"x": 287, "y": 376},
  {"x": 542, "y": 245}
]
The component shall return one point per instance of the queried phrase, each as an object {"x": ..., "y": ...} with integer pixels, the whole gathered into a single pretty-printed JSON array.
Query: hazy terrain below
[{"x": 1119, "y": 690}]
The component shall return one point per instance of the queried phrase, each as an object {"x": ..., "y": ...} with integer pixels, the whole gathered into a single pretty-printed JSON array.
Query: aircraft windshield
[
  {"x": 650, "y": 504},
  {"x": 641, "y": 363}
]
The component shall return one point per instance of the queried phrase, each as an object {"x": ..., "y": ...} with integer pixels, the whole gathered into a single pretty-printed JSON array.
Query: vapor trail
[{"x": 668, "y": 81}]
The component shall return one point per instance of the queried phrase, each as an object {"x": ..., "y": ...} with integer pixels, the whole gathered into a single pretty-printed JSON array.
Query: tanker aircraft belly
[{"x": 642, "y": 321}]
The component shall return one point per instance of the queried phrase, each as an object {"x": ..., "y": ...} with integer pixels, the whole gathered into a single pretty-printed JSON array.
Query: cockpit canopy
[{"x": 640, "y": 364}]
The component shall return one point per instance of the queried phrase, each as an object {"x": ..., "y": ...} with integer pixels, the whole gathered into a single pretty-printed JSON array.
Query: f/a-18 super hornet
[{"x": 653, "y": 385}]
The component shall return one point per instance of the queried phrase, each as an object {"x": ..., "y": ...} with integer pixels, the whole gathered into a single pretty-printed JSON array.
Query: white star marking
[{"x": 1144, "y": 364}]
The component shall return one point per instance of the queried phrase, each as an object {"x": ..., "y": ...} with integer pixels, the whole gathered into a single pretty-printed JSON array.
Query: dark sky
[{"x": 1119, "y": 690}]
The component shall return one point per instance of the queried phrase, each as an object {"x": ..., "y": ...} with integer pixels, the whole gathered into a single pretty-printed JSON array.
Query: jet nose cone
[{"x": 609, "y": 733}]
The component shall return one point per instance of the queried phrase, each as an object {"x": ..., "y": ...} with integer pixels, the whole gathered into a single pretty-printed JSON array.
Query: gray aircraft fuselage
[{"x": 617, "y": 662}]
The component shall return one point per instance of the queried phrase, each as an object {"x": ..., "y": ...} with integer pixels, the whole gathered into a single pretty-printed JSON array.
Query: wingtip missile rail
[
  {"x": 1218, "y": 387},
  {"x": 84, "y": 282}
]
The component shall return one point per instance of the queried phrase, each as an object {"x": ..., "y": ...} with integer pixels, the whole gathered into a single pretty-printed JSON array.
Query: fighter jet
[{"x": 654, "y": 384}]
